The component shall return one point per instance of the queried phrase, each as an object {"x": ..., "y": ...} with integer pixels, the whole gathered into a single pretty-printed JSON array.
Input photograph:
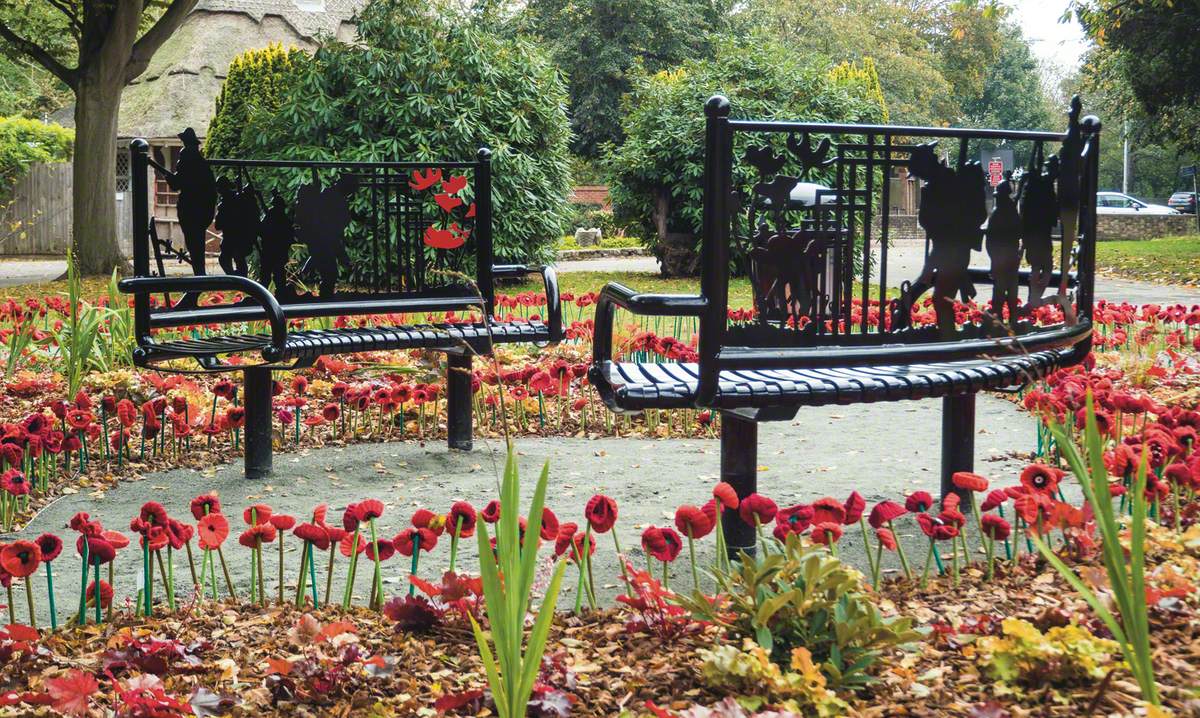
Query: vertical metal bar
[
  {"x": 374, "y": 243},
  {"x": 885, "y": 212},
  {"x": 458, "y": 400},
  {"x": 848, "y": 269},
  {"x": 739, "y": 469},
  {"x": 389, "y": 268},
  {"x": 139, "y": 168},
  {"x": 867, "y": 212},
  {"x": 1085, "y": 295},
  {"x": 958, "y": 440},
  {"x": 256, "y": 383},
  {"x": 835, "y": 305},
  {"x": 484, "y": 258},
  {"x": 714, "y": 265}
]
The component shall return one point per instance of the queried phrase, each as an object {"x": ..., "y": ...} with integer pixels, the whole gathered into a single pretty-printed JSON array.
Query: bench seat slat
[
  {"x": 311, "y": 343},
  {"x": 631, "y": 386}
]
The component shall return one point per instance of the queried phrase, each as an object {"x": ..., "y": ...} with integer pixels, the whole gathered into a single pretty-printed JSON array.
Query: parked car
[
  {"x": 1118, "y": 203},
  {"x": 1184, "y": 202}
]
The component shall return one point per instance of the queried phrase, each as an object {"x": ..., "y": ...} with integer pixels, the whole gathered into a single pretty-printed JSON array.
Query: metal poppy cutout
[{"x": 809, "y": 158}]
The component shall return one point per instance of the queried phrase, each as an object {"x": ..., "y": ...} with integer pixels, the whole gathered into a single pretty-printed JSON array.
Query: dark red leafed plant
[{"x": 655, "y": 611}]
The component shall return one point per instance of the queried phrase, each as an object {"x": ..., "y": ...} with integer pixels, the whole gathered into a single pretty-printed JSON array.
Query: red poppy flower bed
[
  {"x": 218, "y": 658},
  {"x": 121, "y": 421}
]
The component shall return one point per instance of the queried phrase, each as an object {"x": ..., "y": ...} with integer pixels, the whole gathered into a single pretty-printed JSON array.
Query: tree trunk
[{"x": 97, "y": 101}]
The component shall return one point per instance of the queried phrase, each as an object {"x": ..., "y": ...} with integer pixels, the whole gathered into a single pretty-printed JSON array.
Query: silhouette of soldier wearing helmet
[
  {"x": 238, "y": 219},
  {"x": 322, "y": 216},
  {"x": 278, "y": 233},
  {"x": 1003, "y": 247},
  {"x": 193, "y": 180}
]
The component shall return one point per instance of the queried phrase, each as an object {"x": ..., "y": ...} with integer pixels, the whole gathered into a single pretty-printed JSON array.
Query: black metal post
[
  {"x": 256, "y": 393},
  {"x": 739, "y": 469},
  {"x": 958, "y": 440},
  {"x": 139, "y": 169},
  {"x": 458, "y": 400}
]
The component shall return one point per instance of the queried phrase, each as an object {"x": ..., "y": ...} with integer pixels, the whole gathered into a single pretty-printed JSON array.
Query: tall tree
[
  {"x": 113, "y": 42},
  {"x": 596, "y": 43},
  {"x": 1150, "y": 46},
  {"x": 1012, "y": 94}
]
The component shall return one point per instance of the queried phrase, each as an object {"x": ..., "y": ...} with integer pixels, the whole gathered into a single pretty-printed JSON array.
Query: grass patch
[
  {"x": 567, "y": 242},
  {"x": 1170, "y": 260}
]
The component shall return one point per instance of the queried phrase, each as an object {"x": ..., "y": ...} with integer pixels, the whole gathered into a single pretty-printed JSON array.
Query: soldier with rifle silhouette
[
  {"x": 193, "y": 180},
  {"x": 238, "y": 220},
  {"x": 278, "y": 233}
]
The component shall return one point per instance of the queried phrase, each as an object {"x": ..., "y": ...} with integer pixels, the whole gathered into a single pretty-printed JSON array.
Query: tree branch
[
  {"x": 39, "y": 54},
  {"x": 148, "y": 44},
  {"x": 72, "y": 18}
]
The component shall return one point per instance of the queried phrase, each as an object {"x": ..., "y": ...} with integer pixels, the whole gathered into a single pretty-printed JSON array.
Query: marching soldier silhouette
[
  {"x": 238, "y": 220},
  {"x": 953, "y": 208},
  {"x": 278, "y": 233},
  {"x": 322, "y": 216},
  {"x": 1038, "y": 206},
  {"x": 193, "y": 180},
  {"x": 1003, "y": 247}
]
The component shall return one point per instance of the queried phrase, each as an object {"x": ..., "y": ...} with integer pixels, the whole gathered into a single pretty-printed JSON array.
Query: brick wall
[
  {"x": 1143, "y": 226},
  {"x": 593, "y": 194}
]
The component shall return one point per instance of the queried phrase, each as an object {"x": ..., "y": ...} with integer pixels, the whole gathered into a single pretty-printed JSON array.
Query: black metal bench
[
  {"x": 813, "y": 342},
  {"x": 334, "y": 239}
]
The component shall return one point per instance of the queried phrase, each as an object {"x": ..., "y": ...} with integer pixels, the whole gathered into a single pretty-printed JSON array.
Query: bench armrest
[
  {"x": 550, "y": 280},
  {"x": 218, "y": 283},
  {"x": 615, "y": 295}
]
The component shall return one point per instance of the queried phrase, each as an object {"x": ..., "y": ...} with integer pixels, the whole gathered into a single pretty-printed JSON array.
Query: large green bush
[
  {"x": 254, "y": 87},
  {"x": 429, "y": 83},
  {"x": 663, "y": 154},
  {"x": 23, "y": 142}
]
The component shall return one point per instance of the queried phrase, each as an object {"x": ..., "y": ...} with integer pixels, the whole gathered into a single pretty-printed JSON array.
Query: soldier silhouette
[
  {"x": 1038, "y": 207},
  {"x": 1003, "y": 247},
  {"x": 952, "y": 211},
  {"x": 278, "y": 233},
  {"x": 193, "y": 180},
  {"x": 322, "y": 217},
  {"x": 238, "y": 220}
]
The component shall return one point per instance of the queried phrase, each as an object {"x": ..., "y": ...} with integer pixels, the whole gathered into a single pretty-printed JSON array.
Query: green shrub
[
  {"x": 663, "y": 153},
  {"x": 23, "y": 142},
  {"x": 434, "y": 83},
  {"x": 256, "y": 84},
  {"x": 798, "y": 597}
]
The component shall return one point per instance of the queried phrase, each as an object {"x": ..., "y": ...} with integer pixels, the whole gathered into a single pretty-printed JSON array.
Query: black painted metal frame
[
  {"x": 260, "y": 305},
  {"x": 1065, "y": 344}
]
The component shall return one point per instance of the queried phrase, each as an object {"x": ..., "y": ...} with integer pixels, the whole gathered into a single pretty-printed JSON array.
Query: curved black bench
[
  {"x": 381, "y": 241},
  {"x": 812, "y": 341}
]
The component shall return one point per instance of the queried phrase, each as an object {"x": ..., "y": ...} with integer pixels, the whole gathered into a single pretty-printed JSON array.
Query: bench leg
[
  {"x": 958, "y": 441},
  {"x": 256, "y": 392},
  {"x": 739, "y": 469},
  {"x": 459, "y": 411}
]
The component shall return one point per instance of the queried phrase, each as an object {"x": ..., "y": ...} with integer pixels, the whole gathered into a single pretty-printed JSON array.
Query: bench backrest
[
  {"x": 817, "y": 256},
  {"x": 331, "y": 237}
]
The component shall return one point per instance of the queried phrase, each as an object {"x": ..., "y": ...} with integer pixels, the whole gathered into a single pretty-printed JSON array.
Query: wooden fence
[{"x": 35, "y": 219}]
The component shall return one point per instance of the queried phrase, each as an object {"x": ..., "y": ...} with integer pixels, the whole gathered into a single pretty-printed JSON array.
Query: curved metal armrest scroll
[
  {"x": 550, "y": 280},
  {"x": 214, "y": 283},
  {"x": 615, "y": 295}
]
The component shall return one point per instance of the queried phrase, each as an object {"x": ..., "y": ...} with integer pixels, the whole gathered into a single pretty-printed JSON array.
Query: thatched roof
[{"x": 180, "y": 87}]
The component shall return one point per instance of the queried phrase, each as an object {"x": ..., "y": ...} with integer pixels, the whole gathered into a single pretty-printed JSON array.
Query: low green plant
[
  {"x": 77, "y": 338},
  {"x": 117, "y": 342},
  {"x": 1062, "y": 655},
  {"x": 507, "y": 583},
  {"x": 799, "y": 596},
  {"x": 750, "y": 671},
  {"x": 1126, "y": 576},
  {"x": 17, "y": 344}
]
